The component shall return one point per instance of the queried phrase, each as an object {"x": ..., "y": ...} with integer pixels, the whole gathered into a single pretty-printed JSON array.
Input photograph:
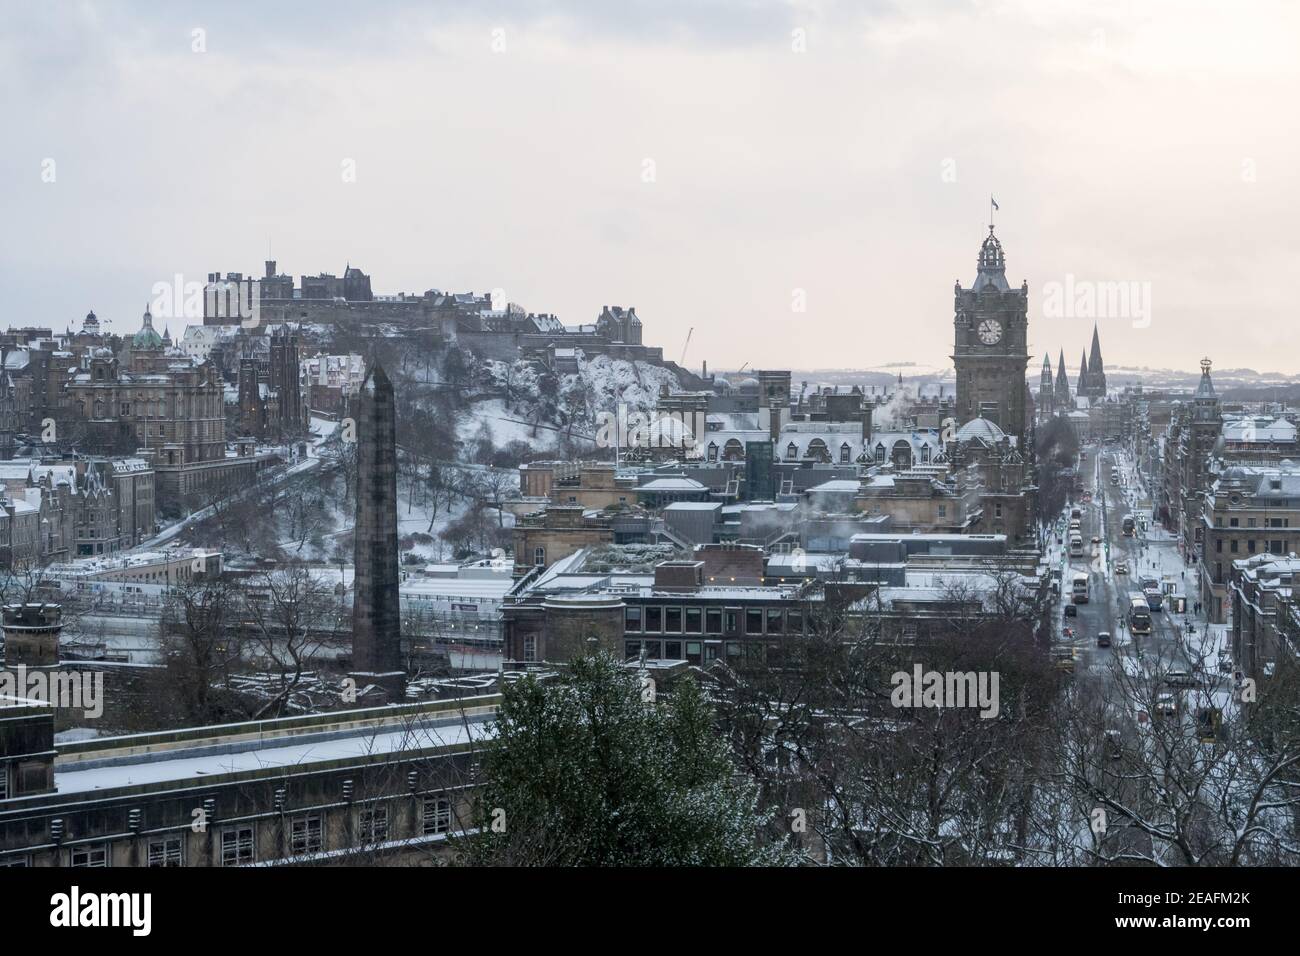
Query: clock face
[{"x": 990, "y": 331}]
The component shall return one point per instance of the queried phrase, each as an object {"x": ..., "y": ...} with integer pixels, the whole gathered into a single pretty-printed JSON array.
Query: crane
[{"x": 690, "y": 332}]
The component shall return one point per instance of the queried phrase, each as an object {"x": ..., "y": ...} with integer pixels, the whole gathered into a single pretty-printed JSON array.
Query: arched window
[
  {"x": 925, "y": 454},
  {"x": 792, "y": 450},
  {"x": 733, "y": 450},
  {"x": 845, "y": 453},
  {"x": 713, "y": 451},
  {"x": 902, "y": 454},
  {"x": 817, "y": 449},
  {"x": 880, "y": 453}
]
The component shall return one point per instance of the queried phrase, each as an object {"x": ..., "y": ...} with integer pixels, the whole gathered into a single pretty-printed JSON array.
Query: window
[
  {"x": 1232, "y": 522},
  {"x": 693, "y": 652},
  {"x": 753, "y": 620},
  {"x": 1275, "y": 547},
  {"x": 654, "y": 620},
  {"x": 1250, "y": 546},
  {"x": 18, "y": 859},
  {"x": 4, "y": 781},
  {"x": 1218, "y": 545},
  {"x": 1232, "y": 546},
  {"x": 794, "y": 622},
  {"x": 845, "y": 452},
  {"x": 374, "y": 824},
  {"x": 943, "y": 511},
  {"x": 774, "y": 621},
  {"x": 792, "y": 450},
  {"x": 437, "y": 814},
  {"x": 631, "y": 650},
  {"x": 89, "y": 855},
  {"x": 306, "y": 834},
  {"x": 713, "y": 620},
  {"x": 530, "y": 648},
  {"x": 672, "y": 620},
  {"x": 539, "y": 557},
  {"x": 673, "y": 650},
  {"x": 165, "y": 852},
  {"x": 632, "y": 618},
  {"x": 237, "y": 846},
  {"x": 997, "y": 511},
  {"x": 694, "y": 620}
]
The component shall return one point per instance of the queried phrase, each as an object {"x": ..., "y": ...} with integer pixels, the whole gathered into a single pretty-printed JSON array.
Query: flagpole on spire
[{"x": 993, "y": 205}]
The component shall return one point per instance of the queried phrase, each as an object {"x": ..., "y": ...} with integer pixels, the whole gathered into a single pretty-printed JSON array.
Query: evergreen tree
[{"x": 585, "y": 772}]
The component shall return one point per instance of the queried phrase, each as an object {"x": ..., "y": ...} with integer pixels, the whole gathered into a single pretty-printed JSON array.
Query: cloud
[{"x": 1118, "y": 139}]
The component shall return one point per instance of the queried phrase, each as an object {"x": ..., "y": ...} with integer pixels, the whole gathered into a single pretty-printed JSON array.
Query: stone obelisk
[{"x": 376, "y": 612}]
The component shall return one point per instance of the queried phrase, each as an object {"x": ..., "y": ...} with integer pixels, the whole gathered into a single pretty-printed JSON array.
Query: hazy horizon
[{"x": 686, "y": 159}]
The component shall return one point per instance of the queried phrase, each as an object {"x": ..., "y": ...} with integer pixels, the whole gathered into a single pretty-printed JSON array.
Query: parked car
[
  {"x": 1072, "y": 610},
  {"x": 1166, "y": 706},
  {"x": 1103, "y": 638}
]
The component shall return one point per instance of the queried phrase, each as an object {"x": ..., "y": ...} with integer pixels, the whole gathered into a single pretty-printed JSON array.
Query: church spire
[
  {"x": 1062, "y": 385},
  {"x": 1096, "y": 371},
  {"x": 1082, "y": 387}
]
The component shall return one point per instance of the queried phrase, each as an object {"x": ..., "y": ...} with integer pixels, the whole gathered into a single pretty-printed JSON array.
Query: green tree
[{"x": 585, "y": 772}]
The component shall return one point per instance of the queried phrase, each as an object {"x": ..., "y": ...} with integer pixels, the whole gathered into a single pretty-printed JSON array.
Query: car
[
  {"x": 1064, "y": 660},
  {"x": 1096, "y": 539},
  {"x": 1071, "y": 610},
  {"x": 1166, "y": 706},
  {"x": 1121, "y": 567},
  {"x": 1103, "y": 638},
  {"x": 1181, "y": 678}
]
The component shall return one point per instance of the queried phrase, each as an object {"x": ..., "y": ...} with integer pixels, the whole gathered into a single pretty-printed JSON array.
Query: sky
[{"x": 798, "y": 183}]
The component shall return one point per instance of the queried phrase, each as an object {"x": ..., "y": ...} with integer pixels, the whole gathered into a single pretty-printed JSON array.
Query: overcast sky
[{"x": 714, "y": 165}]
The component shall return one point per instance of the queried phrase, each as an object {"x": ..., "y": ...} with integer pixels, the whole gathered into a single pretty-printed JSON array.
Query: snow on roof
[
  {"x": 194, "y": 763},
  {"x": 672, "y": 484}
]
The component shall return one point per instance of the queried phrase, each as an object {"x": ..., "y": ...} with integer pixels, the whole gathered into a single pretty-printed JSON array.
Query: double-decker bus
[
  {"x": 1127, "y": 526},
  {"x": 1079, "y": 588},
  {"x": 1139, "y": 614}
]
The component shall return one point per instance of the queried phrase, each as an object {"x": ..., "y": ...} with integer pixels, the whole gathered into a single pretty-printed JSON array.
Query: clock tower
[{"x": 991, "y": 345}]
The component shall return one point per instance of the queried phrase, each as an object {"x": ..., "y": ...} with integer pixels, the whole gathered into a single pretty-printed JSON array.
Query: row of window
[
  {"x": 736, "y": 653},
  {"x": 1274, "y": 547},
  {"x": 654, "y": 619},
  {"x": 237, "y": 845},
  {"x": 1250, "y": 522}
]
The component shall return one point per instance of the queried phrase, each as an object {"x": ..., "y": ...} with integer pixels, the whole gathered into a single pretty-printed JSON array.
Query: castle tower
[
  {"x": 990, "y": 344},
  {"x": 1096, "y": 371},
  {"x": 376, "y": 613}
]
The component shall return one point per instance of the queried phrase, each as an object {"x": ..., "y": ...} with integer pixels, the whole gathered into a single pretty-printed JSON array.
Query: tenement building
[{"x": 1250, "y": 510}]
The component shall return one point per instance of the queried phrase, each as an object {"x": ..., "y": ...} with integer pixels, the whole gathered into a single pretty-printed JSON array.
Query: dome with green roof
[{"x": 146, "y": 338}]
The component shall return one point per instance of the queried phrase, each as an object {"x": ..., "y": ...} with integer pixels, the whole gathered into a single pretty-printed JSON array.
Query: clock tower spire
[{"x": 990, "y": 344}]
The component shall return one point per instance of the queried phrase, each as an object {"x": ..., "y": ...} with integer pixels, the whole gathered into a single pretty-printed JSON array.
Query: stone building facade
[{"x": 990, "y": 348}]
